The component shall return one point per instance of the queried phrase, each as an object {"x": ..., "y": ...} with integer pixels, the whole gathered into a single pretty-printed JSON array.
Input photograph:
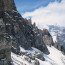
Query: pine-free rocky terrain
[{"x": 22, "y": 43}]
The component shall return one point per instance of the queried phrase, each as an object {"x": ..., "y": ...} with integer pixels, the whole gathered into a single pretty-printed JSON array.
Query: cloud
[
  {"x": 30, "y": 5},
  {"x": 53, "y": 14}
]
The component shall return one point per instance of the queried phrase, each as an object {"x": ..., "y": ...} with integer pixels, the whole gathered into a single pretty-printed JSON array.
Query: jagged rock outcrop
[
  {"x": 5, "y": 45},
  {"x": 20, "y": 30},
  {"x": 7, "y": 5},
  {"x": 5, "y": 30},
  {"x": 39, "y": 43},
  {"x": 47, "y": 38}
]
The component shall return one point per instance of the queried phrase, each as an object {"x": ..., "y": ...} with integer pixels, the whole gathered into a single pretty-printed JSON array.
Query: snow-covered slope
[{"x": 54, "y": 58}]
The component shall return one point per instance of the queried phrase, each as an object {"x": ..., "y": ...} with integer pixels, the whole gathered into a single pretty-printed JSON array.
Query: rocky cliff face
[
  {"x": 20, "y": 30},
  {"x": 7, "y": 5},
  {"x": 5, "y": 45},
  {"x": 47, "y": 38},
  {"x": 5, "y": 41}
]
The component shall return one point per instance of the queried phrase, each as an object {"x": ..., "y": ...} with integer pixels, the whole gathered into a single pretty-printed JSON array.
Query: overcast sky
[{"x": 43, "y": 12}]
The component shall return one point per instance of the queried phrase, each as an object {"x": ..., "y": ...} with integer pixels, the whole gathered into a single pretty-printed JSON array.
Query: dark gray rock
[{"x": 20, "y": 30}]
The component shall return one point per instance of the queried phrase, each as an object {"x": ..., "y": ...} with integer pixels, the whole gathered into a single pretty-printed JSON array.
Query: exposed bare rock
[
  {"x": 5, "y": 45},
  {"x": 47, "y": 38},
  {"x": 21, "y": 31}
]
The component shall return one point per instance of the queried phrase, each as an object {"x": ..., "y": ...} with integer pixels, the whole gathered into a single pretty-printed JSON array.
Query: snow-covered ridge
[{"x": 54, "y": 58}]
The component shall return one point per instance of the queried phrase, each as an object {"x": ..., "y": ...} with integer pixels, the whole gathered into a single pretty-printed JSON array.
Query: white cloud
[{"x": 53, "y": 14}]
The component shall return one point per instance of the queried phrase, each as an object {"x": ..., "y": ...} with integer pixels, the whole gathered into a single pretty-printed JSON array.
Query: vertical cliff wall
[
  {"x": 5, "y": 42},
  {"x": 19, "y": 30}
]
